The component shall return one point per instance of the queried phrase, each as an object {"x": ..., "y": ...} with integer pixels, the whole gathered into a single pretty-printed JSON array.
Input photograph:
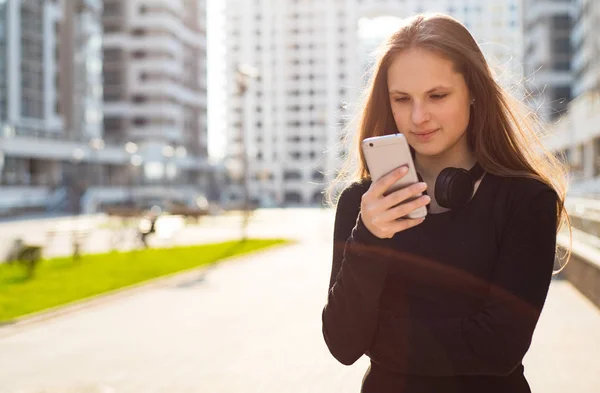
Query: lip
[{"x": 424, "y": 136}]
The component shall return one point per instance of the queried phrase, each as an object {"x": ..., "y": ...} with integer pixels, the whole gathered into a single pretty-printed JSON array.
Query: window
[
  {"x": 561, "y": 22},
  {"x": 293, "y": 197},
  {"x": 561, "y": 65},
  {"x": 140, "y": 121},
  {"x": 292, "y": 175},
  {"x": 562, "y": 45}
]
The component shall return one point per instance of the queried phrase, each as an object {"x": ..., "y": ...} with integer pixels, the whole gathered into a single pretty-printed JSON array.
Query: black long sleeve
[
  {"x": 357, "y": 278},
  {"x": 494, "y": 340},
  {"x": 456, "y": 297}
]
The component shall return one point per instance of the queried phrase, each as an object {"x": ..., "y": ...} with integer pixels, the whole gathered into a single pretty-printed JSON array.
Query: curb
[{"x": 20, "y": 324}]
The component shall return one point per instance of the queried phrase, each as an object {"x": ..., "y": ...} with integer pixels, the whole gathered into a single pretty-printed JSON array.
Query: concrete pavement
[{"x": 250, "y": 325}]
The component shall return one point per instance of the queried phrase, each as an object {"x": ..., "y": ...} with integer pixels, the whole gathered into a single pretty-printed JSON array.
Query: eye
[
  {"x": 439, "y": 96},
  {"x": 401, "y": 99}
]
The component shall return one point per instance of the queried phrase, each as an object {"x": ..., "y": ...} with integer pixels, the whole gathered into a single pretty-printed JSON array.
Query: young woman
[{"x": 448, "y": 303}]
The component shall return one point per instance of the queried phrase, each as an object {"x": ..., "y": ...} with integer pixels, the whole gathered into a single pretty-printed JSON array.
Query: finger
[
  {"x": 403, "y": 194},
  {"x": 381, "y": 186},
  {"x": 404, "y": 224},
  {"x": 403, "y": 209},
  {"x": 408, "y": 207}
]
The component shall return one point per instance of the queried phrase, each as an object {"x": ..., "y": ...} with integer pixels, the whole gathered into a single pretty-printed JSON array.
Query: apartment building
[
  {"x": 586, "y": 51},
  {"x": 28, "y": 92},
  {"x": 577, "y": 134},
  {"x": 50, "y": 103},
  {"x": 155, "y": 86},
  {"x": 310, "y": 61},
  {"x": 547, "y": 55}
]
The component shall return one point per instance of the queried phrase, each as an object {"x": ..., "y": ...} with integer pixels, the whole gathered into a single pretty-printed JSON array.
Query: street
[{"x": 252, "y": 324}]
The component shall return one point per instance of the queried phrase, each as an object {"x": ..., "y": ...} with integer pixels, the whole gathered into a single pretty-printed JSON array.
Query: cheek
[
  {"x": 400, "y": 115},
  {"x": 456, "y": 116}
]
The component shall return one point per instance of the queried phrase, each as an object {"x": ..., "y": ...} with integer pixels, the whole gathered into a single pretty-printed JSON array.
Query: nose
[{"x": 420, "y": 113}]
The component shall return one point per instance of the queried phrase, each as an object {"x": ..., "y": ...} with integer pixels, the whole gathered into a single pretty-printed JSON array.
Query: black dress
[{"x": 451, "y": 304}]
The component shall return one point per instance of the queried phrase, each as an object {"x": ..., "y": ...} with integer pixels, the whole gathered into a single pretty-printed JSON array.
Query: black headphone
[{"x": 454, "y": 187}]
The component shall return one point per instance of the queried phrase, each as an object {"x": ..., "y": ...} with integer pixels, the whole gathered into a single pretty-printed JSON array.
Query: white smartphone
[{"x": 386, "y": 153}]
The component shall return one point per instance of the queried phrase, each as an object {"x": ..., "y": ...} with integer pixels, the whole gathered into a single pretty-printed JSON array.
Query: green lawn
[{"x": 62, "y": 280}]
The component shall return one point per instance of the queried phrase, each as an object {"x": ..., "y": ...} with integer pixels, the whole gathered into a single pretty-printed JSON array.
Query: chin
[{"x": 428, "y": 149}]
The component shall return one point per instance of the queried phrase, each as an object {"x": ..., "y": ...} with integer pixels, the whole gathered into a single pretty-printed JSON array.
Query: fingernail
[
  {"x": 403, "y": 170},
  {"x": 422, "y": 186}
]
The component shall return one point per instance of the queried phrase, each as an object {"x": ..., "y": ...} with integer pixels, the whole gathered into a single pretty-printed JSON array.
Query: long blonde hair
[{"x": 502, "y": 132}]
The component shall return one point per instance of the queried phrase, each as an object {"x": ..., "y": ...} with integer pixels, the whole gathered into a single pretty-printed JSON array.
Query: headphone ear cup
[{"x": 453, "y": 188}]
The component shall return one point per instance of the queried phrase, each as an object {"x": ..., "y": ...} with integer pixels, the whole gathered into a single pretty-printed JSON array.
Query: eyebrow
[{"x": 440, "y": 87}]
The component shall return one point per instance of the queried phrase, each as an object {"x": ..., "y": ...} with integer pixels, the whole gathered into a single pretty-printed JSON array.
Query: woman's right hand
[{"x": 380, "y": 213}]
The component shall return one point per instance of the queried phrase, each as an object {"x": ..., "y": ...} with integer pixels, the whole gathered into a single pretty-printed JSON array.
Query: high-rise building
[
  {"x": 586, "y": 51},
  {"x": 310, "y": 62},
  {"x": 547, "y": 55},
  {"x": 80, "y": 63},
  {"x": 28, "y": 91},
  {"x": 155, "y": 85},
  {"x": 577, "y": 134},
  {"x": 50, "y": 99}
]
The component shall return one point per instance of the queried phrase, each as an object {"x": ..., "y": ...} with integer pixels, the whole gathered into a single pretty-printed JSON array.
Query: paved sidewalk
[{"x": 251, "y": 325}]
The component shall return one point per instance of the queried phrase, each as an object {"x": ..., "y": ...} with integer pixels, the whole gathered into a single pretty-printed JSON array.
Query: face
[{"x": 430, "y": 102}]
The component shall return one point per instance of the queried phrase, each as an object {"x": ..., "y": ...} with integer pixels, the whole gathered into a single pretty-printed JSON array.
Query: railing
[
  {"x": 583, "y": 270},
  {"x": 22, "y": 197}
]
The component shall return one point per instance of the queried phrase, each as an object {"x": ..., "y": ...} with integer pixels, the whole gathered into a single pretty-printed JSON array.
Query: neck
[{"x": 430, "y": 166}]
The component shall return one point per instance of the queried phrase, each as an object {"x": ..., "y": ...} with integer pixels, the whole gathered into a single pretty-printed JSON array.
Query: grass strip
[{"x": 60, "y": 281}]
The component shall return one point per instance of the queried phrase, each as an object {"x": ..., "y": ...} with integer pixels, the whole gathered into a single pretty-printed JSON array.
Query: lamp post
[
  {"x": 243, "y": 74},
  {"x": 96, "y": 144},
  {"x": 8, "y": 132},
  {"x": 136, "y": 161},
  {"x": 180, "y": 153},
  {"x": 76, "y": 157},
  {"x": 168, "y": 152},
  {"x": 131, "y": 148},
  {"x": 1, "y": 166}
]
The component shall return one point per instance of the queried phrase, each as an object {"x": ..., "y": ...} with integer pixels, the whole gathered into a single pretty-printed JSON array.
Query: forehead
[{"x": 418, "y": 70}]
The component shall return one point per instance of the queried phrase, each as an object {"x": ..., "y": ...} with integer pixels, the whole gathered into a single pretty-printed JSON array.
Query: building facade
[
  {"x": 28, "y": 92},
  {"x": 85, "y": 116},
  {"x": 310, "y": 63},
  {"x": 586, "y": 51},
  {"x": 48, "y": 113},
  {"x": 577, "y": 135},
  {"x": 547, "y": 56},
  {"x": 155, "y": 85}
]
